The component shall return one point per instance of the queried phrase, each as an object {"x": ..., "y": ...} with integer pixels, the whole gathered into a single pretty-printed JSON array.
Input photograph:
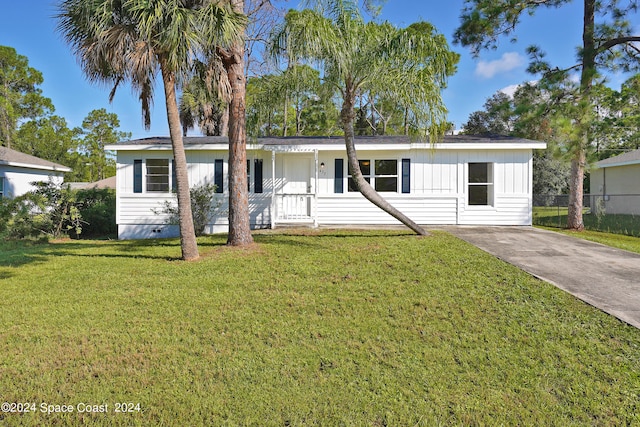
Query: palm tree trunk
[
  {"x": 285, "y": 115},
  {"x": 347, "y": 115},
  {"x": 233, "y": 61},
  {"x": 406, "y": 121},
  {"x": 188, "y": 242}
]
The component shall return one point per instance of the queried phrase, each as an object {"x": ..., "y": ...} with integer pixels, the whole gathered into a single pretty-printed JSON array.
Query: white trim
[
  {"x": 273, "y": 189},
  {"x": 612, "y": 165},
  {"x": 168, "y": 147},
  {"x": 40, "y": 167},
  {"x": 411, "y": 146},
  {"x": 310, "y": 148}
]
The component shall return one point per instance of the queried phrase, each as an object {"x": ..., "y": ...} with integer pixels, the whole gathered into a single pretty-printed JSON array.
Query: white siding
[
  {"x": 438, "y": 189},
  {"x": 355, "y": 209},
  {"x": 135, "y": 211},
  {"x": 512, "y": 199},
  {"x": 17, "y": 180}
]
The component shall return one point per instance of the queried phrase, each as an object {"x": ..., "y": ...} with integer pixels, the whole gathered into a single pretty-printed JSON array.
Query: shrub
[
  {"x": 50, "y": 210},
  {"x": 98, "y": 210},
  {"x": 203, "y": 207}
]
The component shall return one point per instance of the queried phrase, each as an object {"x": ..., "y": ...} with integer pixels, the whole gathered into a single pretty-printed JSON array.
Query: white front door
[{"x": 298, "y": 187}]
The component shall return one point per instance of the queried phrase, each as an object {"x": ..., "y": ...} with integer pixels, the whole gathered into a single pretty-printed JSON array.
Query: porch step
[{"x": 294, "y": 224}]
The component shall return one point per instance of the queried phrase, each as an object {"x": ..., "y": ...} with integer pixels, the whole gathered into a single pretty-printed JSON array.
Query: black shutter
[
  {"x": 137, "y": 176},
  {"x": 406, "y": 175},
  {"x": 217, "y": 178},
  {"x": 257, "y": 176},
  {"x": 174, "y": 178},
  {"x": 338, "y": 183}
]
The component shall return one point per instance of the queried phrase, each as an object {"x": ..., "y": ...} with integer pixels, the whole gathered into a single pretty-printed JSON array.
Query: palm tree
[
  {"x": 410, "y": 65},
  {"x": 131, "y": 40},
  {"x": 231, "y": 56},
  {"x": 201, "y": 106}
]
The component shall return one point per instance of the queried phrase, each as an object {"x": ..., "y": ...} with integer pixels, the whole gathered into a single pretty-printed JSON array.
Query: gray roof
[
  {"x": 102, "y": 184},
  {"x": 16, "y": 158},
  {"x": 302, "y": 140},
  {"x": 628, "y": 158}
]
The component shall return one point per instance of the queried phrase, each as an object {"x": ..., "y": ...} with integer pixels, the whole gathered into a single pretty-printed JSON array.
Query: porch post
[
  {"x": 315, "y": 190},
  {"x": 273, "y": 190}
]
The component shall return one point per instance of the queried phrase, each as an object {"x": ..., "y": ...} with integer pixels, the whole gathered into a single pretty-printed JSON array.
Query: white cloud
[
  {"x": 511, "y": 89},
  {"x": 508, "y": 62}
]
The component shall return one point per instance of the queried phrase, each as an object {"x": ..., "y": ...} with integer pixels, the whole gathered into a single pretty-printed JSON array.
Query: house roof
[
  {"x": 15, "y": 158},
  {"x": 628, "y": 158},
  {"x": 327, "y": 142},
  {"x": 102, "y": 184}
]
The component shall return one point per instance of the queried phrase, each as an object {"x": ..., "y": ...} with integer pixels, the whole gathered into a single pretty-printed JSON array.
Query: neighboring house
[
  {"x": 107, "y": 183},
  {"x": 304, "y": 180},
  {"x": 617, "y": 181},
  {"x": 18, "y": 170}
]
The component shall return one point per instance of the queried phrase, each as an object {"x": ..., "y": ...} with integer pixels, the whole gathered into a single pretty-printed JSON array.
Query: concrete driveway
[{"x": 604, "y": 277}]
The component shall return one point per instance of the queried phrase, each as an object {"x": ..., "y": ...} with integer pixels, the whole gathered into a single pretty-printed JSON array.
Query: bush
[
  {"x": 50, "y": 210},
  {"x": 203, "y": 207},
  {"x": 98, "y": 210}
]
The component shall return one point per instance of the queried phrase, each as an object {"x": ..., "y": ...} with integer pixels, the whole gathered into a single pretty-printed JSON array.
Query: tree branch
[{"x": 617, "y": 41}]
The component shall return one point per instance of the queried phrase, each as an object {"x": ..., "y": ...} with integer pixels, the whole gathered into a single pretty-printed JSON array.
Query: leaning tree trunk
[
  {"x": 188, "y": 242},
  {"x": 347, "y": 115},
  {"x": 233, "y": 62},
  {"x": 578, "y": 163}
]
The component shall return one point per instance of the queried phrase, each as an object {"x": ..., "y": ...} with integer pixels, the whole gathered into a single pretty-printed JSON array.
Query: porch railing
[{"x": 294, "y": 207}]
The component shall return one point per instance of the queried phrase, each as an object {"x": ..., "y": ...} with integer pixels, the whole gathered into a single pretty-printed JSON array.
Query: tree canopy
[
  {"x": 20, "y": 96},
  {"x": 411, "y": 65},
  {"x": 608, "y": 42}
]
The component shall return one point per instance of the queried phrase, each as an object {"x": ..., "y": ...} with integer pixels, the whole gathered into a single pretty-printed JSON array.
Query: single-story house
[
  {"x": 461, "y": 179},
  {"x": 616, "y": 183},
  {"x": 18, "y": 170}
]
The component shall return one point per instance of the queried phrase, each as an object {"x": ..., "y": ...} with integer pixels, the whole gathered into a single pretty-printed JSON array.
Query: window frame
[
  {"x": 165, "y": 187},
  {"x": 489, "y": 185},
  {"x": 373, "y": 174}
]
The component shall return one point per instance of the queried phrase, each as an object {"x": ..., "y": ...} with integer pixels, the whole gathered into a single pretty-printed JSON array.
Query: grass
[
  {"x": 620, "y": 241},
  {"x": 619, "y": 231},
  {"x": 329, "y": 328},
  {"x": 612, "y": 223}
]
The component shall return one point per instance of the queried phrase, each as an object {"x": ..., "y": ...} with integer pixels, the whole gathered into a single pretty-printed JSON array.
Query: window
[
  {"x": 157, "y": 175},
  {"x": 386, "y": 178},
  {"x": 257, "y": 175},
  {"x": 481, "y": 184},
  {"x": 383, "y": 177},
  {"x": 1, "y": 187}
]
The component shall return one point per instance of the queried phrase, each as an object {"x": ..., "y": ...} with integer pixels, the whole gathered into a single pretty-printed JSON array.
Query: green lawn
[
  {"x": 329, "y": 328},
  {"x": 618, "y": 224}
]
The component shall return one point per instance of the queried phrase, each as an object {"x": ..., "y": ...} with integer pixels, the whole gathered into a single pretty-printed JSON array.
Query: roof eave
[
  {"x": 616, "y": 164},
  {"x": 54, "y": 168},
  {"x": 528, "y": 145}
]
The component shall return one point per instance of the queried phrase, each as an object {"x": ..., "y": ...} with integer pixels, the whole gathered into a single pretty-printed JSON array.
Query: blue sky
[{"x": 29, "y": 27}]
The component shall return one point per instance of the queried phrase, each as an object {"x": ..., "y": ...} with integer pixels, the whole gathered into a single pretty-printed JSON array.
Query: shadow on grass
[{"x": 18, "y": 253}]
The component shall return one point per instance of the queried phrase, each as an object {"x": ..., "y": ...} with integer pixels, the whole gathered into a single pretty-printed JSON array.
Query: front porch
[{"x": 294, "y": 196}]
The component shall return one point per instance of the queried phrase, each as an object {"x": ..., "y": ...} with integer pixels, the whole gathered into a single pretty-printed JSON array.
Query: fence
[{"x": 610, "y": 213}]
